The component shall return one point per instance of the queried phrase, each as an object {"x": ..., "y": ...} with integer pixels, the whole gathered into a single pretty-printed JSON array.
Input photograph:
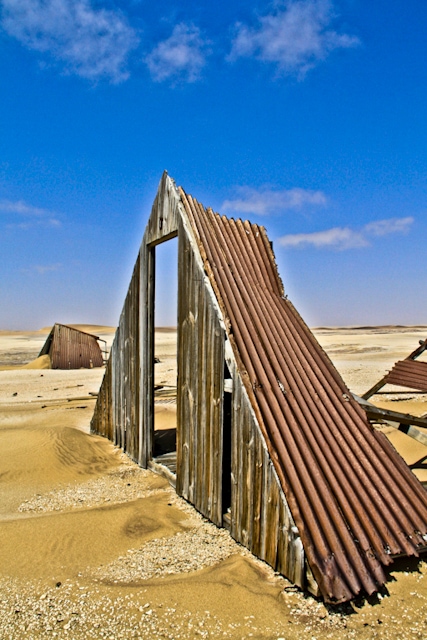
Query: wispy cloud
[
  {"x": 42, "y": 269},
  {"x": 21, "y": 208},
  {"x": 26, "y": 216},
  {"x": 92, "y": 43},
  {"x": 265, "y": 201},
  {"x": 337, "y": 238},
  {"x": 390, "y": 225},
  {"x": 181, "y": 57},
  {"x": 342, "y": 238},
  {"x": 295, "y": 37}
]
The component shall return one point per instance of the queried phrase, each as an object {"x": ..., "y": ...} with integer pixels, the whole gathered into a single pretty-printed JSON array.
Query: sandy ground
[{"x": 91, "y": 546}]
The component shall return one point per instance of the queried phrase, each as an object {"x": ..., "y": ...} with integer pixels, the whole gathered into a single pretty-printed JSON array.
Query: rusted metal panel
[
  {"x": 354, "y": 503},
  {"x": 71, "y": 348},
  {"x": 408, "y": 373}
]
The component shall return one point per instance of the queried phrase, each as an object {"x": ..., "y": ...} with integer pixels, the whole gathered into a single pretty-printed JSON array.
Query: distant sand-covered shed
[
  {"x": 70, "y": 348},
  {"x": 270, "y": 442}
]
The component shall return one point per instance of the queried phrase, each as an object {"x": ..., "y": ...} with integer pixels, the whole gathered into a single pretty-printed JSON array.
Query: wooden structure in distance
[{"x": 70, "y": 348}]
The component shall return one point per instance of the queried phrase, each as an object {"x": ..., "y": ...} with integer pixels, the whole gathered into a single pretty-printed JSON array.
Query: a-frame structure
[{"x": 270, "y": 441}]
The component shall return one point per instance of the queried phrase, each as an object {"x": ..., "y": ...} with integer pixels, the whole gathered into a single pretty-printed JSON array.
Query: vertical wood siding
[
  {"x": 102, "y": 419},
  {"x": 260, "y": 517},
  {"x": 116, "y": 413},
  {"x": 200, "y": 388},
  {"x": 145, "y": 423}
]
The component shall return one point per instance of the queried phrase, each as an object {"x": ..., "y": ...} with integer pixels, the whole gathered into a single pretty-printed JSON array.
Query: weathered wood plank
[
  {"x": 236, "y": 464},
  {"x": 202, "y": 400},
  {"x": 257, "y": 494},
  {"x": 272, "y": 517},
  {"x": 193, "y": 380},
  {"x": 245, "y": 476},
  {"x": 205, "y": 382},
  {"x": 216, "y": 420},
  {"x": 163, "y": 221},
  {"x": 264, "y": 507},
  {"x": 182, "y": 447}
]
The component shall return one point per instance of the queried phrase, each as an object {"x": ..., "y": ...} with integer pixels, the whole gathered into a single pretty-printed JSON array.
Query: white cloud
[
  {"x": 21, "y": 208},
  {"x": 295, "y": 37},
  {"x": 337, "y": 238},
  {"x": 392, "y": 225},
  {"x": 92, "y": 43},
  {"x": 265, "y": 201},
  {"x": 342, "y": 238},
  {"x": 181, "y": 57},
  {"x": 32, "y": 215},
  {"x": 41, "y": 269}
]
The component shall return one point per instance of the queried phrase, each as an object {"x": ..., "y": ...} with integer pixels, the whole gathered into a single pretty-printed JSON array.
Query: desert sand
[{"x": 92, "y": 546}]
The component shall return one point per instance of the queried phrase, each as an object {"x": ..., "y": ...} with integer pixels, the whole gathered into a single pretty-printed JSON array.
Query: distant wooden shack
[
  {"x": 270, "y": 443},
  {"x": 70, "y": 348}
]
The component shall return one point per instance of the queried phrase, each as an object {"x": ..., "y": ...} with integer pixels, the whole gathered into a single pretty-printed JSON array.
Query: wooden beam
[
  {"x": 418, "y": 351},
  {"x": 373, "y": 390},
  {"x": 401, "y": 421}
]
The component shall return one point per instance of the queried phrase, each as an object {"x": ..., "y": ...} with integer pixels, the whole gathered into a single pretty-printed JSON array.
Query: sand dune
[
  {"x": 58, "y": 548},
  {"x": 92, "y": 546}
]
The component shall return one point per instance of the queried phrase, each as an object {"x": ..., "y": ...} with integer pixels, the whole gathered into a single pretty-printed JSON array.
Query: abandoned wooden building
[
  {"x": 70, "y": 348},
  {"x": 270, "y": 441}
]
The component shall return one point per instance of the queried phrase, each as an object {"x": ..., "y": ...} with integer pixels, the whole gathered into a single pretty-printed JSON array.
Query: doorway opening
[{"x": 165, "y": 353}]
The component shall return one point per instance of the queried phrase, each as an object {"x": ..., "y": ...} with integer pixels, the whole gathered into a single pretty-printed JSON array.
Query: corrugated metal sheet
[
  {"x": 405, "y": 373},
  {"x": 354, "y": 501},
  {"x": 408, "y": 373},
  {"x": 70, "y": 348}
]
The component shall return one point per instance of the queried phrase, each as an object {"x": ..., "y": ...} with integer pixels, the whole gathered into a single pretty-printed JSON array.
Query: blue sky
[{"x": 306, "y": 116}]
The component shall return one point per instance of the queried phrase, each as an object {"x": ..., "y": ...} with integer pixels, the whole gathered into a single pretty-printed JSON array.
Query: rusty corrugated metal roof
[
  {"x": 408, "y": 373},
  {"x": 71, "y": 348},
  {"x": 354, "y": 500}
]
